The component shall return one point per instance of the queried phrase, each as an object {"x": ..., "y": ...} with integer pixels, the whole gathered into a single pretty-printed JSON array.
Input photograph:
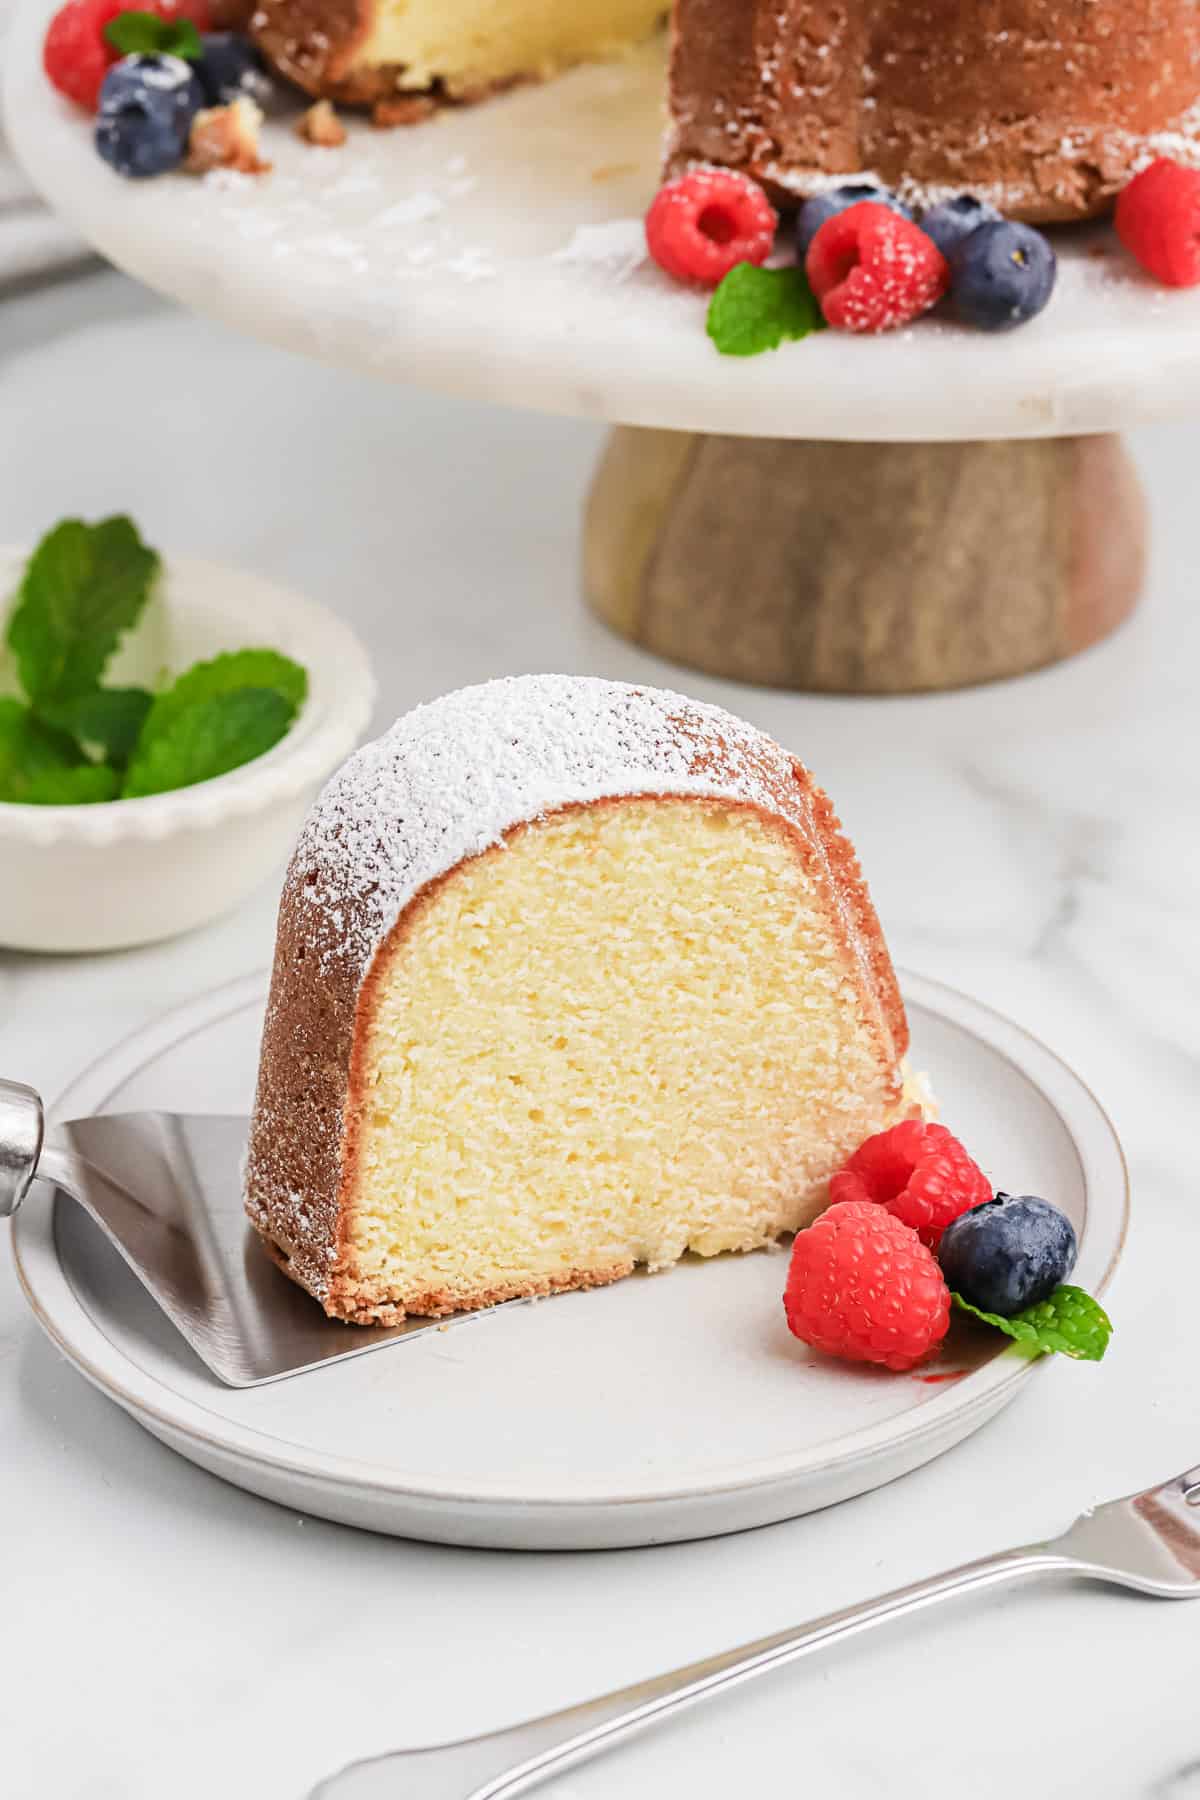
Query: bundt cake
[
  {"x": 402, "y": 55},
  {"x": 570, "y": 976},
  {"x": 1042, "y": 107}
]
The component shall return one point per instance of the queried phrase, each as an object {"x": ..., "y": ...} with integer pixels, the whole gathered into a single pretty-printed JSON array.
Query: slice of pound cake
[
  {"x": 570, "y": 976},
  {"x": 404, "y": 56}
]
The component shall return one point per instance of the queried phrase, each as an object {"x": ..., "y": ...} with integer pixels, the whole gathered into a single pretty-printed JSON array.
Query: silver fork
[{"x": 1149, "y": 1542}]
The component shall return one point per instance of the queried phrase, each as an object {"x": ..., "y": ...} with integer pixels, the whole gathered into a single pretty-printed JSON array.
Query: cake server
[
  {"x": 166, "y": 1191},
  {"x": 1149, "y": 1542}
]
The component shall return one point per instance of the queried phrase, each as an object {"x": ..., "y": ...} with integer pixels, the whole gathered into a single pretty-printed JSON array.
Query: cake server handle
[
  {"x": 507, "y": 1763},
  {"x": 22, "y": 1134}
]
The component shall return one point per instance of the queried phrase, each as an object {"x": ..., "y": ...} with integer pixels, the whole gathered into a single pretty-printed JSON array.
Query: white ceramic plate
[
  {"x": 665, "y": 1407},
  {"x": 448, "y": 255}
]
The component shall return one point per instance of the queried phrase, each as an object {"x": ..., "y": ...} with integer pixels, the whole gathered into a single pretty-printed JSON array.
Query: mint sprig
[
  {"x": 225, "y": 675},
  {"x": 74, "y": 742},
  {"x": 110, "y": 719},
  {"x": 209, "y": 738},
  {"x": 31, "y": 751},
  {"x": 87, "y": 785},
  {"x": 1069, "y": 1322},
  {"x": 145, "y": 34},
  {"x": 758, "y": 309},
  {"x": 83, "y": 587}
]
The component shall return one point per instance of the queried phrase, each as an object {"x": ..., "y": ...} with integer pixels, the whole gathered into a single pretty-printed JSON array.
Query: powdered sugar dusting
[
  {"x": 472, "y": 263},
  {"x": 450, "y": 779},
  {"x": 618, "y": 246},
  {"x": 229, "y": 181},
  {"x": 1120, "y": 151},
  {"x": 409, "y": 211}
]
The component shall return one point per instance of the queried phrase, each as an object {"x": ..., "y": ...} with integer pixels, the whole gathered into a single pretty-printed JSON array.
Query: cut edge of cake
[
  {"x": 355, "y": 52},
  {"x": 423, "y": 812}
]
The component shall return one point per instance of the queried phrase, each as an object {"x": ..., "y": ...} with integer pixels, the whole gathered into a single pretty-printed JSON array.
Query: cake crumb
[
  {"x": 405, "y": 109},
  {"x": 320, "y": 125},
  {"x": 226, "y": 137}
]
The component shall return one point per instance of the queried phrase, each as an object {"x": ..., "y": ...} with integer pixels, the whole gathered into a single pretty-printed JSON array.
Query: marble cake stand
[{"x": 922, "y": 511}]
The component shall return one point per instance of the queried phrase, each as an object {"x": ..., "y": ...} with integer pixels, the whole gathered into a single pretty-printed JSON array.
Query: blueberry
[
  {"x": 166, "y": 83},
  {"x": 952, "y": 220},
  {"x": 1001, "y": 275},
  {"x": 230, "y": 67},
  {"x": 147, "y": 105},
  {"x": 1008, "y": 1254},
  {"x": 815, "y": 211}
]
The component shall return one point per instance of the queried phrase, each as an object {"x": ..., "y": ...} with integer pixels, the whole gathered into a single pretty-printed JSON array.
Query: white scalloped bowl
[{"x": 83, "y": 878}]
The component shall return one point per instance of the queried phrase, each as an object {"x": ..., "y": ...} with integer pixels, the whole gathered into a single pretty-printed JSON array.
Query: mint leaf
[
  {"x": 208, "y": 737},
  {"x": 759, "y": 309},
  {"x": 84, "y": 786},
  {"x": 84, "y": 585},
  {"x": 226, "y": 675},
  {"x": 43, "y": 766},
  {"x": 30, "y": 750},
  {"x": 135, "y": 33},
  {"x": 145, "y": 34},
  {"x": 1070, "y": 1321},
  {"x": 110, "y": 718}
]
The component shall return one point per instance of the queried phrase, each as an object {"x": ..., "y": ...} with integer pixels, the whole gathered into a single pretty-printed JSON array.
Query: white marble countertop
[{"x": 169, "y": 1637}]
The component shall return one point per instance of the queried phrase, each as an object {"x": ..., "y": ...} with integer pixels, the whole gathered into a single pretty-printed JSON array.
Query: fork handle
[
  {"x": 22, "y": 1132},
  {"x": 507, "y": 1763}
]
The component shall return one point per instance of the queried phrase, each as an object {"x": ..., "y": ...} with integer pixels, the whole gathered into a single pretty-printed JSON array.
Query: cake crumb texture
[
  {"x": 570, "y": 977},
  {"x": 375, "y": 51}
]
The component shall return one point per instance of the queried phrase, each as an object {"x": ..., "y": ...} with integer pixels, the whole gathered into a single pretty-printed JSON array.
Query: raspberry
[
  {"x": 1158, "y": 221},
  {"x": 706, "y": 222},
  {"x": 920, "y": 1172},
  {"x": 863, "y": 1286},
  {"x": 872, "y": 270},
  {"x": 75, "y": 53}
]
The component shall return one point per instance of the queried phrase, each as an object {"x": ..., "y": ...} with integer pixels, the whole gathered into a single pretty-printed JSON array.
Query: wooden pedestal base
[{"x": 863, "y": 568}]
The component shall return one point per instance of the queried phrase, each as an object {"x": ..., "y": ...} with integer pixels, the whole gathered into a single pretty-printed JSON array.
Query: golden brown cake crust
[
  {"x": 311, "y": 1089},
  {"x": 356, "y": 1303},
  {"x": 1042, "y": 106},
  {"x": 315, "y": 43}
]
